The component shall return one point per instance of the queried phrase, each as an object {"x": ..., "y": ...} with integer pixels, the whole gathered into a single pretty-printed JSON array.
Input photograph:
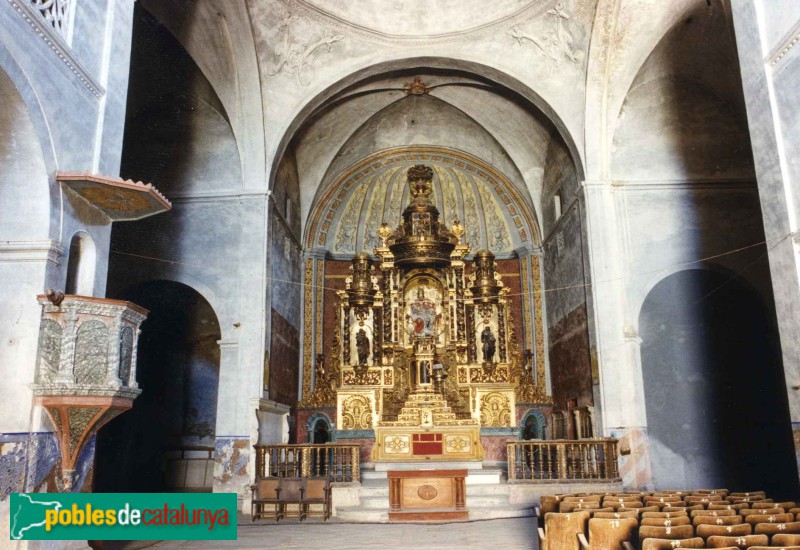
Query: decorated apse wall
[
  {"x": 351, "y": 210},
  {"x": 345, "y": 220}
]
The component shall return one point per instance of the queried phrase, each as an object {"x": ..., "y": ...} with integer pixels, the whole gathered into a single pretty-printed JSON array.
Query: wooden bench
[{"x": 291, "y": 497}]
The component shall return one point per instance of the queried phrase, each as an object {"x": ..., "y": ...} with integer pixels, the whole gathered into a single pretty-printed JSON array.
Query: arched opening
[
  {"x": 166, "y": 442},
  {"x": 715, "y": 395},
  {"x": 81, "y": 264},
  {"x": 532, "y": 426},
  {"x": 320, "y": 430}
]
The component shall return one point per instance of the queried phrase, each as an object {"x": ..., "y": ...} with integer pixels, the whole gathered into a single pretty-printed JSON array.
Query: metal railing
[
  {"x": 562, "y": 459},
  {"x": 336, "y": 462}
]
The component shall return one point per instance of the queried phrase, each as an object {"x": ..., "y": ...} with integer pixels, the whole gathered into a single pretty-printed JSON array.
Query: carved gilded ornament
[
  {"x": 457, "y": 444},
  {"x": 356, "y": 413},
  {"x": 495, "y": 410},
  {"x": 308, "y": 326},
  {"x": 372, "y": 377},
  {"x": 396, "y": 444}
]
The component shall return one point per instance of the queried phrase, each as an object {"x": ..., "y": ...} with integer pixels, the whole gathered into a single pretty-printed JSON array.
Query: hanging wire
[{"x": 313, "y": 286}]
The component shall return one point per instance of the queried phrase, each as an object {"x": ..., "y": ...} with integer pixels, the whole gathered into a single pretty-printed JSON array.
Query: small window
[{"x": 557, "y": 205}]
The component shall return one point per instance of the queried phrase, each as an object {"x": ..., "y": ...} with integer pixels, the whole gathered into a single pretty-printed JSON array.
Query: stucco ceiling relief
[
  {"x": 552, "y": 36},
  {"x": 294, "y": 55}
]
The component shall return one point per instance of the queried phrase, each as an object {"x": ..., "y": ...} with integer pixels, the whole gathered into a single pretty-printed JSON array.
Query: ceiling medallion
[{"x": 418, "y": 87}]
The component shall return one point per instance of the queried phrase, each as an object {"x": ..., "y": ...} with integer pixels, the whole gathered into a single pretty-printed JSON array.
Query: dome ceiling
[{"x": 419, "y": 18}]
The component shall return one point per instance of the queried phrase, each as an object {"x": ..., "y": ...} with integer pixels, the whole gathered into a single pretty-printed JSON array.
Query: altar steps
[{"x": 487, "y": 498}]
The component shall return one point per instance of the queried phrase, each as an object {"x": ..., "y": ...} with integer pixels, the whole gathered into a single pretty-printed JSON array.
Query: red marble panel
[{"x": 494, "y": 446}]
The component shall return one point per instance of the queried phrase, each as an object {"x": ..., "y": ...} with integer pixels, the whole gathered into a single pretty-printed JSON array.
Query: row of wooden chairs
[
  {"x": 285, "y": 497},
  {"x": 669, "y": 519}
]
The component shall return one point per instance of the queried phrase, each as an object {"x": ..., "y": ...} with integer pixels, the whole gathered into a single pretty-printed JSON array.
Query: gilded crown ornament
[
  {"x": 361, "y": 291},
  {"x": 421, "y": 239}
]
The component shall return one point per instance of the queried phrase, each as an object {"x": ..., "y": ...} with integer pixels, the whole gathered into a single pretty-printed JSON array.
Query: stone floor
[{"x": 517, "y": 533}]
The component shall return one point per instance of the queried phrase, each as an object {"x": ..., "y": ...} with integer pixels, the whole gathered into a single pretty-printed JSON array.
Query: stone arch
[
  {"x": 314, "y": 422},
  {"x": 27, "y": 158},
  {"x": 713, "y": 343},
  {"x": 178, "y": 369},
  {"x": 504, "y": 80},
  {"x": 81, "y": 263},
  {"x": 538, "y": 422}
]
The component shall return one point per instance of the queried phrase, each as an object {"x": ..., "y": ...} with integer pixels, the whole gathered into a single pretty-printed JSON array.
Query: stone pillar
[
  {"x": 233, "y": 445},
  {"x": 621, "y": 389},
  {"x": 770, "y": 77}
]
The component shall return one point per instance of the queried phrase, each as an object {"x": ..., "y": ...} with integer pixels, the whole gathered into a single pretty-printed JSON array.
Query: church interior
[{"x": 453, "y": 263}]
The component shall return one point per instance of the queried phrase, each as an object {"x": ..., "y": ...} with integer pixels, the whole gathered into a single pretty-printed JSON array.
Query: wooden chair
[
  {"x": 760, "y": 511},
  {"x": 769, "y": 504},
  {"x": 666, "y": 522},
  {"x": 624, "y": 505},
  {"x": 737, "y": 542},
  {"x": 317, "y": 498},
  {"x": 712, "y": 520},
  {"x": 769, "y": 518},
  {"x": 672, "y": 533},
  {"x": 723, "y": 492},
  {"x": 583, "y": 498},
  {"x": 771, "y": 529},
  {"x": 570, "y": 506},
  {"x": 547, "y": 504},
  {"x": 739, "y": 530},
  {"x": 561, "y": 530},
  {"x": 608, "y": 534},
  {"x": 786, "y": 540},
  {"x": 726, "y": 506},
  {"x": 681, "y": 514},
  {"x": 291, "y": 497},
  {"x": 266, "y": 499},
  {"x": 775, "y": 547},
  {"x": 760, "y": 494},
  {"x": 713, "y": 513},
  {"x": 669, "y": 544},
  {"x": 685, "y": 508},
  {"x": 664, "y": 499},
  {"x": 614, "y": 515}
]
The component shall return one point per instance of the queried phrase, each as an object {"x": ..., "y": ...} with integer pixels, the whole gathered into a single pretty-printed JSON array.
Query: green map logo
[{"x": 123, "y": 516}]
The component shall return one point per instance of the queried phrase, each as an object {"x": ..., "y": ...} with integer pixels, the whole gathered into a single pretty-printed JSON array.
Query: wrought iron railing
[
  {"x": 562, "y": 459},
  {"x": 336, "y": 462}
]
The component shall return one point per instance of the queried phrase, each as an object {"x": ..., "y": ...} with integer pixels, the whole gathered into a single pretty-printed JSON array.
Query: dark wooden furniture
[
  {"x": 317, "y": 498},
  {"x": 265, "y": 498},
  {"x": 286, "y": 497},
  {"x": 427, "y": 495}
]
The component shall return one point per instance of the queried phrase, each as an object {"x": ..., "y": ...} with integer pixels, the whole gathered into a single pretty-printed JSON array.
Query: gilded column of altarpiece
[{"x": 426, "y": 351}]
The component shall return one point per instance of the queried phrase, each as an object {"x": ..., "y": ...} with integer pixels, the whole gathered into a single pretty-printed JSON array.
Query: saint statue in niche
[
  {"x": 488, "y": 340},
  {"x": 362, "y": 347}
]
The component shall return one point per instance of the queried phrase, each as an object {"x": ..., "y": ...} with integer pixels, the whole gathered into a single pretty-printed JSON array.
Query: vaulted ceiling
[{"x": 322, "y": 84}]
